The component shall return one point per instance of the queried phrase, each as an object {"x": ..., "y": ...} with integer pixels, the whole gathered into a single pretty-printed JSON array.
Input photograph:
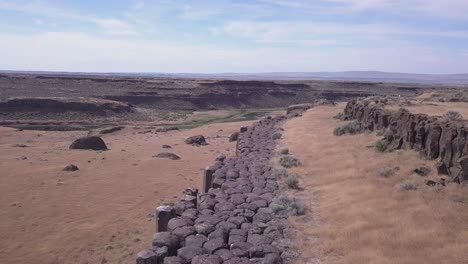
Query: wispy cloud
[
  {"x": 115, "y": 26},
  {"x": 191, "y": 12},
  {"x": 276, "y": 31},
  {"x": 108, "y": 25},
  {"x": 231, "y": 35},
  {"x": 51, "y": 51}
]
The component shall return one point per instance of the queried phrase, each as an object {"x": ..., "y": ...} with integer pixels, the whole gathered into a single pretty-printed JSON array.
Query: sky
[{"x": 220, "y": 36}]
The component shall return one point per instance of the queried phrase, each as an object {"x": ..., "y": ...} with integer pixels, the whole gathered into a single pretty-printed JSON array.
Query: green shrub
[
  {"x": 352, "y": 128},
  {"x": 292, "y": 182},
  {"x": 385, "y": 172},
  {"x": 284, "y": 205},
  {"x": 289, "y": 161},
  {"x": 382, "y": 145},
  {"x": 407, "y": 185},
  {"x": 453, "y": 116}
]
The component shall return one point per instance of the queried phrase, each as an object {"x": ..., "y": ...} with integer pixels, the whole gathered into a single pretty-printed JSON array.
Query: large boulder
[
  {"x": 196, "y": 140},
  {"x": 89, "y": 143}
]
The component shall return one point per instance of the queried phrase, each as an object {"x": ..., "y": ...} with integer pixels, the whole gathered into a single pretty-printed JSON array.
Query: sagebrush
[
  {"x": 385, "y": 172},
  {"x": 382, "y": 145},
  {"x": 284, "y": 205},
  {"x": 289, "y": 161},
  {"x": 351, "y": 128},
  {"x": 292, "y": 182},
  {"x": 453, "y": 116}
]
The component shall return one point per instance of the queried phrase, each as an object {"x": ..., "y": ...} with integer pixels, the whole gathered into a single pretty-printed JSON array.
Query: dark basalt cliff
[{"x": 439, "y": 139}]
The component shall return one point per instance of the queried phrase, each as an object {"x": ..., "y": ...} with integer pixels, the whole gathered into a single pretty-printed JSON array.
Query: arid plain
[{"x": 104, "y": 212}]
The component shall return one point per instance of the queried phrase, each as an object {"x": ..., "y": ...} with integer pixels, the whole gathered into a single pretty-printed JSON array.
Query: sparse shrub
[
  {"x": 339, "y": 116},
  {"x": 284, "y": 151},
  {"x": 279, "y": 171},
  {"x": 292, "y": 182},
  {"x": 453, "y": 116},
  {"x": 385, "y": 172},
  {"x": 382, "y": 145},
  {"x": 166, "y": 129},
  {"x": 403, "y": 110},
  {"x": 407, "y": 185},
  {"x": 284, "y": 205},
  {"x": 352, "y": 128},
  {"x": 380, "y": 133},
  {"x": 388, "y": 135},
  {"x": 289, "y": 161}
]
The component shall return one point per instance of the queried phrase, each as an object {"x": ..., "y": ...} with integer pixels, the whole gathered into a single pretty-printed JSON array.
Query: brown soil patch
[
  {"x": 365, "y": 218},
  {"x": 103, "y": 210}
]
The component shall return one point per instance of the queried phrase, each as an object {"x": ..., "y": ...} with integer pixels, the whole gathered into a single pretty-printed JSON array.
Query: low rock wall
[{"x": 230, "y": 221}]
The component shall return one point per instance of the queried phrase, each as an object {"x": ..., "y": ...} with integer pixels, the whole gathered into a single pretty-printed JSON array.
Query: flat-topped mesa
[
  {"x": 439, "y": 139},
  {"x": 230, "y": 222}
]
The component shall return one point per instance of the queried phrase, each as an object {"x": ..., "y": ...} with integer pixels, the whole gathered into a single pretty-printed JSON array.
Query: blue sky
[{"x": 418, "y": 36}]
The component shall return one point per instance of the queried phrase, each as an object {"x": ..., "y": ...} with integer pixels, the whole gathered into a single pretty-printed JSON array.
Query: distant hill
[{"x": 371, "y": 76}]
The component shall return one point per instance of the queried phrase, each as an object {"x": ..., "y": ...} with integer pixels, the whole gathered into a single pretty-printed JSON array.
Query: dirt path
[
  {"x": 366, "y": 218},
  {"x": 103, "y": 211}
]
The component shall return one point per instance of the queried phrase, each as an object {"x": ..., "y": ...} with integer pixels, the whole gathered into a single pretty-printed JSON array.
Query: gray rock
[
  {"x": 214, "y": 244},
  {"x": 167, "y": 155},
  {"x": 195, "y": 241},
  {"x": 196, "y": 140},
  {"x": 166, "y": 239},
  {"x": 186, "y": 254},
  {"x": 207, "y": 259},
  {"x": 71, "y": 167}
]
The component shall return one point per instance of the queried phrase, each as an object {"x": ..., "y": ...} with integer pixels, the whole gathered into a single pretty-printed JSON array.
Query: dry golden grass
[
  {"x": 356, "y": 216},
  {"x": 434, "y": 108}
]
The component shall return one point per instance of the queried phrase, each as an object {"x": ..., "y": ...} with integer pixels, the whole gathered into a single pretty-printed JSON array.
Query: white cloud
[
  {"x": 451, "y": 9},
  {"x": 191, "y": 12},
  {"x": 38, "y": 22},
  {"x": 303, "y": 30},
  {"x": 115, "y": 26},
  {"x": 108, "y": 25},
  {"x": 71, "y": 51}
]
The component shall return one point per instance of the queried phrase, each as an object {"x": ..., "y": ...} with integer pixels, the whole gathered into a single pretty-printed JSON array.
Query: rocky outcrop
[
  {"x": 298, "y": 109},
  {"x": 59, "y": 104},
  {"x": 231, "y": 222},
  {"x": 435, "y": 138}
]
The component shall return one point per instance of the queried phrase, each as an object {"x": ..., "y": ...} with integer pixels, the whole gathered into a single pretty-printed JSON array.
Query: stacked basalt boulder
[
  {"x": 230, "y": 222},
  {"x": 435, "y": 138}
]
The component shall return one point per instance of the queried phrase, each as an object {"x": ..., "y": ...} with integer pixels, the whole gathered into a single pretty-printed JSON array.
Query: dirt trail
[
  {"x": 365, "y": 218},
  {"x": 102, "y": 210}
]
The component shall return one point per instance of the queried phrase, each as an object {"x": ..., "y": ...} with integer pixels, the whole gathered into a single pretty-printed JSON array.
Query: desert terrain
[
  {"x": 104, "y": 212},
  {"x": 358, "y": 216}
]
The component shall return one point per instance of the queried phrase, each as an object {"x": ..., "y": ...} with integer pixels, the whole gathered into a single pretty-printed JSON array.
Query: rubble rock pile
[
  {"x": 231, "y": 221},
  {"x": 436, "y": 138}
]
